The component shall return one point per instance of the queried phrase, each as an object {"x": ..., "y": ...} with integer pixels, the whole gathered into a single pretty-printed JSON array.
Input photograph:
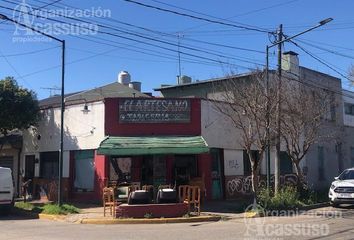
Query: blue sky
[{"x": 96, "y": 60}]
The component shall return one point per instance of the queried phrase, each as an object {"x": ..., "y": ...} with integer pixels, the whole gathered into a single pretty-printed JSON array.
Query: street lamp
[
  {"x": 4, "y": 17},
  {"x": 279, "y": 42}
]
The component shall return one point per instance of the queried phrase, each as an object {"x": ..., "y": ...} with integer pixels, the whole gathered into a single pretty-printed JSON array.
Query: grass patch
[
  {"x": 55, "y": 209},
  {"x": 24, "y": 206}
]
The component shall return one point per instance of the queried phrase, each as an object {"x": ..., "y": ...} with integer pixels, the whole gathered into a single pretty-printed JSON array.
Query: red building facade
[{"x": 150, "y": 117}]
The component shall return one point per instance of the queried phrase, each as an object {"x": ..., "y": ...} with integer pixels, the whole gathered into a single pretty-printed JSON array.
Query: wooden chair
[
  {"x": 164, "y": 186},
  {"x": 199, "y": 181},
  {"x": 109, "y": 201},
  {"x": 183, "y": 192},
  {"x": 193, "y": 199},
  {"x": 148, "y": 188},
  {"x": 112, "y": 183},
  {"x": 134, "y": 187}
]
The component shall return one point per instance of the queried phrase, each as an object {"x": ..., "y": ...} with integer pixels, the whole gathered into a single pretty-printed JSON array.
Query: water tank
[
  {"x": 185, "y": 79},
  {"x": 124, "y": 78},
  {"x": 135, "y": 85}
]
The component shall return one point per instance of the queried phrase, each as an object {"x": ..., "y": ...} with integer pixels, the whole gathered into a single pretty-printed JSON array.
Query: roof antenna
[{"x": 179, "y": 35}]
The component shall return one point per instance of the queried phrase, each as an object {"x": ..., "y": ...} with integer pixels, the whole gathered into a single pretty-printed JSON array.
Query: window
[
  {"x": 49, "y": 164},
  {"x": 84, "y": 171},
  {"x": 321, "y": 170},
  {"x": 349, "y": 109}
]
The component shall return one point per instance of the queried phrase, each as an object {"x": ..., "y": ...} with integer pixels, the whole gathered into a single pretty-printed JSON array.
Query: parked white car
[
  {"x": 342, "y": 189},
  {"x": 6, "y": 189}
]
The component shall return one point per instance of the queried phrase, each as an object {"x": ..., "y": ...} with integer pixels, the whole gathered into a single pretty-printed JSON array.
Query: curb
[
  {"x": 314, "y": 206},
  {"x": 151, "y": 221},
  {"x": 51, "y": 217}
]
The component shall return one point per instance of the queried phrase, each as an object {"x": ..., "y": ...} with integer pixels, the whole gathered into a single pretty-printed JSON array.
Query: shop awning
[{"x": 127, "y": 146}]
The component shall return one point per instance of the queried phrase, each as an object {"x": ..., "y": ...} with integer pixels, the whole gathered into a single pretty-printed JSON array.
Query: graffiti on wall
[{"x": 242, "y": 185}]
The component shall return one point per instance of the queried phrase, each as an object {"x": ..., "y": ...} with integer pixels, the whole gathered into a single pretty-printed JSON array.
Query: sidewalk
[
  {"x": 224, "y": 209},
  {"x": 229, "y": 209}
]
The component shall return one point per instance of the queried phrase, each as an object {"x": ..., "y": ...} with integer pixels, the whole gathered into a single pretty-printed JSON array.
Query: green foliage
[
  {"x": 25, "y": 206},
  {"x": 310, "y": 196},
  {"x": 148, "y": 215},
  {"x": 19, "y": 106},
  {"x": 287, "y": 198},
  {"x": 59, "y": 210}
]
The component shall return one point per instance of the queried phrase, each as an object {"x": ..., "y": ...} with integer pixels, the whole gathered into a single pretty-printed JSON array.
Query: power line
[
  {"x": 169, "y": 34},
  {"x": 225, "y": 19},
  {"x": 14, "y": 69},
  {"x": 28, "y": 53},
  {"x": 198, "y": 18},
  {"x": 48, "y": 4},
  {"x": 327, "y": 50},
  {"x": 319, "y": 59},
  {"x": 207, "y": 15},
  {"x": 143, "y": 42}
]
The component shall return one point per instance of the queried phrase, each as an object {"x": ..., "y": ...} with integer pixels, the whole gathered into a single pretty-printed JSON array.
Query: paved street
[{"x": 335, "y": 224}]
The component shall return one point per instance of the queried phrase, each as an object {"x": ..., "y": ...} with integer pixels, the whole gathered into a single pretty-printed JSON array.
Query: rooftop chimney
[{"x": 290, "y": 63}]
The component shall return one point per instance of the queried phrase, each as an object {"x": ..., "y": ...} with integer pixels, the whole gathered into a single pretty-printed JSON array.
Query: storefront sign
[{"x": 154, "y": 110}]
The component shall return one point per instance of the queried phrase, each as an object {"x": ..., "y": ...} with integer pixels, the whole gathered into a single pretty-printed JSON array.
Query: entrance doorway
[
  {"x": 217, "y": 174},
  {"x": 29, "y": 172}
]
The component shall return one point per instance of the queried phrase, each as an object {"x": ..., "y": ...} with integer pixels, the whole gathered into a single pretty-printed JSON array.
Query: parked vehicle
[
  {"x": 342, "y": 189},
  {"x": 6, "y": 190}
]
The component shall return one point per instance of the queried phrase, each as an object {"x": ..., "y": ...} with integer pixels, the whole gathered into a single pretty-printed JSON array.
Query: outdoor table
[
  {"x": 166, "y": 195},
  {"x": 139, "y": 197}
]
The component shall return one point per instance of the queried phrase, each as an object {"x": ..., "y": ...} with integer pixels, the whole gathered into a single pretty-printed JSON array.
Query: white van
[{"x": 6, "y": 189}]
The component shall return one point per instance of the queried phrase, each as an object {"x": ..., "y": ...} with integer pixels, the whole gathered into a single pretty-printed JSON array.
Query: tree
[
  {"x": 246, "y": 103},
  {"x": 305, "y": 111},
  {"x": 19, "y": 107}
]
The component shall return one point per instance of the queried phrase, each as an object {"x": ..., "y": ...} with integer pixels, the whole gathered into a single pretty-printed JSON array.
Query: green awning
[{"x": 126, "y": 146}]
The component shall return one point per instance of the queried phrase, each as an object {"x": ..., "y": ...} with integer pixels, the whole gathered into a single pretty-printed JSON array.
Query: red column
[
  {"x": 101, "y": 173},
  {"x": 204, "y": 168}
]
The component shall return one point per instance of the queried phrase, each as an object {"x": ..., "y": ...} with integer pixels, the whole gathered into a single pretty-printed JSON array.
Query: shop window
[
  {"x": 286, "y": 165},
  {"x": 185, "y": 168},
  {"x": 84, "y": 171},
  {"x": 120, "y": 169},
  {"x": 49, "y": 165}
]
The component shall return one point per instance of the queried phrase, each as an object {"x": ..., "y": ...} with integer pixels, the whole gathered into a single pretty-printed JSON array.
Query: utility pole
[
  {"x": 278, "y": 43},
  {"x": 179, "y": 59},
  {"x": 278, "y": 114}
]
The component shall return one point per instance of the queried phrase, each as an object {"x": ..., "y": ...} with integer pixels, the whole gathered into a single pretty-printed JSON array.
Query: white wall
[
  {"x": 81, "y": 131},
  {"x": 217, "y": 129},
  {"x": 233, "y": 162}
]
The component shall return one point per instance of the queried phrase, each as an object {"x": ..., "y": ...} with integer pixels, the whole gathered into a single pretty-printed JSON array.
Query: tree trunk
[
  {"x": 254, "y": 181},
  {"x": 300, "y": 176}
]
